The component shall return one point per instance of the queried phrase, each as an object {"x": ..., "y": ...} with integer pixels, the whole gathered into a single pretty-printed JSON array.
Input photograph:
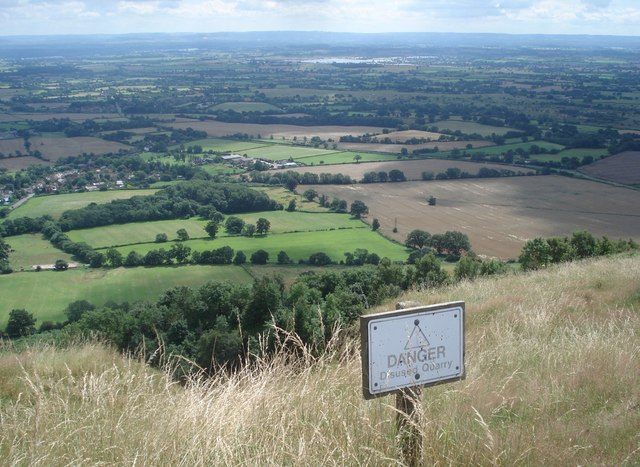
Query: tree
[
  {"x": 239, "y": 258},
  {"x": 183, "y": 235},
  {"x": 259, "y": 257},
  {"x": 283, "y": 258},
  {"x": 133, "y": 259},
  {"x": 375, "y": 225},
  {"x": 262, "y": 226},
  {"x": 76, "y": 309},
  {"x": 359, "y": 209},
  {"x": 429, "y": 271},
  {"x": 310, "y": 194},
  {"x": 535, "y": 254},
  {"x": 220, "y": 346},
  {"x": 456, "y": 242},
  {"x": 96, "y": 259},
  {"x": 21, "y": 323},
  {"x": 319, "y": 259},
  {"x": 292, "y": 206},
  {"x": 4, "y": 250},
  {"x": 357, "y": 158},
  {"x": 583, "y": 243},
  {"x": 211, "y": 228},
  {"x": 234, "y": 225},
  {"x": 114, "y": 257},
  {"x": 161, "y": 238},
  {"x": 61, "y": 265},
  {"x": 466, "y": 268},
  {"x": 249, "y": 230},
  {"x": 417, "y": 239},
  {"x": 180, "y": 252},
  {"x": 291, "y": 183},
  {"x": 396, "y": 175}
]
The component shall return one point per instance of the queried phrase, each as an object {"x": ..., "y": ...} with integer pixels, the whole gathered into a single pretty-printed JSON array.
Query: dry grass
[{"x": 552, "y": 378}]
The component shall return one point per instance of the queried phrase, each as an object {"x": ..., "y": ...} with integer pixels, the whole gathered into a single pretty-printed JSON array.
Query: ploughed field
[
  {"x": 499, "y": 215},
  {"x": 621, "y": 168}
]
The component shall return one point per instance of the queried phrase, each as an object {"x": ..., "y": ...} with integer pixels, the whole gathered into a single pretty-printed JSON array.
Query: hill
[{"x": 552, "y": 364}]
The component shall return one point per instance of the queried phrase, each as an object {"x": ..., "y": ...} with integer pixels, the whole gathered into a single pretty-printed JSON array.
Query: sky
[{"x": 594, "y": 17}]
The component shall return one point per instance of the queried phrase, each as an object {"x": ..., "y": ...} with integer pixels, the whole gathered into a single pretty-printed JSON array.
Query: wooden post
[{"x": 408, "y": 423}]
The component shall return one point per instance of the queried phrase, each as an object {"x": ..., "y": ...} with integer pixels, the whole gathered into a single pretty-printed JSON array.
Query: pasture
[
  {"x": 225, "y": 145},
  {"x": 55, "y": 205},
  {"x": 298, "y": 245},
  {"x": 46, "y": 294},
  {"x": 497, "y": 150},
  {"x": 499, "y": 215},
  {"x": 145, "y": 232},
  {"x": 278, "y": 152},
  {"x": 31, "y": 249},
  {"x": 412, "y": 169},
  {"x": 346, "y": 158}
]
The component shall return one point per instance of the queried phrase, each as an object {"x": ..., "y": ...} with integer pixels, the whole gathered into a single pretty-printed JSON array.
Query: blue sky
[{"x": 616, "y": 17}]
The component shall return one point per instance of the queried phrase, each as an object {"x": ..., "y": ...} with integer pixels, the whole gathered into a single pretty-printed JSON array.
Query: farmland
[
  {"x": 56, "y": 148},
  {"x": 47, "y": 293},
  {"x": 297, "y": 245},
  {"x": 412, "y": 169},
  {"x": 499, "y": 215},
  {"x": 288, "y": 132},
  {"x": 164, "y": 113},
  {"x": 145, "y": 232},
  {"x": 32, "y": 250},
  {"x": 55, "y": 205},
  {"x": 621, "y": 168}
]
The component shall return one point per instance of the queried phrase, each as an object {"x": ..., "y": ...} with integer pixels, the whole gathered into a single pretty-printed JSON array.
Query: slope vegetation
[{"x": 552, "y": 364}]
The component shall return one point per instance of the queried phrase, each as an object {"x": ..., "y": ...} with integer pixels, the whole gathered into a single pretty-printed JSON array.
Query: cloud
[{"x": 513, "y": 16}]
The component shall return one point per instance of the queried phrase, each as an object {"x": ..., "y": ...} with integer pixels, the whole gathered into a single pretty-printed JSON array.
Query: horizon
[{"x": 512, "y": 17}]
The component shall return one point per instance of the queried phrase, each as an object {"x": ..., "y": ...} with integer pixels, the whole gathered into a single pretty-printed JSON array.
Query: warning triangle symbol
[{"x": 417, "y": 339}]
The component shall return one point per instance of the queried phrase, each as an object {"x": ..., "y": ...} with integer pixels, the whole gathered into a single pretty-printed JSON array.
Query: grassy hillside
[{"x": 552, "y": 378}]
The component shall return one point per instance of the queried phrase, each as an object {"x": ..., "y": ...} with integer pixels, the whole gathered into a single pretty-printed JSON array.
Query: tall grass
[{"x": 552, "y": 378}]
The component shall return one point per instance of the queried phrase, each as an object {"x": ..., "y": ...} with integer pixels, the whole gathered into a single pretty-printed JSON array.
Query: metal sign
[{"x": 418, "y": 346}]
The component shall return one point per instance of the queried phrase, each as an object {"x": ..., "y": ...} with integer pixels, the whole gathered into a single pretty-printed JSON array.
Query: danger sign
[{"x": 412, "y": 347}]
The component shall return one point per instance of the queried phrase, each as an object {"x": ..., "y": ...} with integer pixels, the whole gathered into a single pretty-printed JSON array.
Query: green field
[
  {"x": 32, "y": 249},
  {"x": 46, "y": 294},
  {"x": 277, "y": 152},
  {"x": 225, "y": 145},
  {"x": 55, "y": 205},
  {"x": 497, "y": 150},
  {"x": 144, "y": 232},
  {"x": 297, "y": 245},
  {"x": 284, "y": 196}
]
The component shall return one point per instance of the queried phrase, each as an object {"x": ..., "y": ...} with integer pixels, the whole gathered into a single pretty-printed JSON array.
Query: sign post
[{"x": 405, "y": 350}]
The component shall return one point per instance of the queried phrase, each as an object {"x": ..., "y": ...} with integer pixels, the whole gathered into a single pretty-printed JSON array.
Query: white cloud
[{"x": 512, "y": 16}]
